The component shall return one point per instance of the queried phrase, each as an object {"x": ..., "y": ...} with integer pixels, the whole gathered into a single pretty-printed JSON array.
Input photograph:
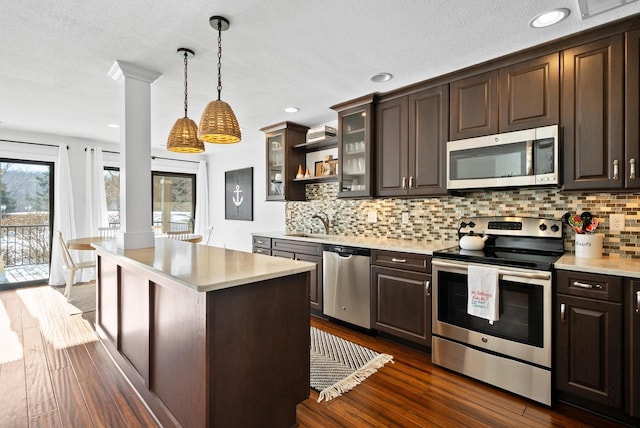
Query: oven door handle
[{"x": 529, "y": 275}]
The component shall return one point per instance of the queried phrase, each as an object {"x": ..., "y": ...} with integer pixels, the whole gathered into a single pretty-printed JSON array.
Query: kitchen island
[{"x": 207, "y": 336}]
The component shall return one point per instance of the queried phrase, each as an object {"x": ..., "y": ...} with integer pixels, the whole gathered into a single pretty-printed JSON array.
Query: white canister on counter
[{"x": 589, "y": 246}]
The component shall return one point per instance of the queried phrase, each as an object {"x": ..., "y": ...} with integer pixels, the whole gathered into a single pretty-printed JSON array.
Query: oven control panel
[{"x": 512, "y": 226}]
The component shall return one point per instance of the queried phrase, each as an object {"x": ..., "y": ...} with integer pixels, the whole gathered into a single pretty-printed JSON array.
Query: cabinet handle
[
  {"x": 398, "y": 260},
  {"x": 589, "y": 286},
  {"x": 404, "y": 183},
  {"x": 427, "y": 287},
  {"x": 632, "y": 169},
  {"x": 260, "y": 242},
  {"x": 529, "y": 149},
  {"x": 637, "y": 302},
  {"x": 563, "y": 310},
  {"x": 616, "y": 169},
  {"x": 411, "y": 182}
]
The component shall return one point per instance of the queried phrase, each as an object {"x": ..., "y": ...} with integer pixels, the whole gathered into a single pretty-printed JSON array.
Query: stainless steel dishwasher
[{"x": 346, "y": 288}]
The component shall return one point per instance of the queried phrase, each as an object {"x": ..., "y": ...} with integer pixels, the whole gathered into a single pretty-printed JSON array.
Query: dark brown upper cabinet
[
  {"x": 632, "y": 110},
  {"x": 411, "y": 138},
  {"x": 530, "y": 94},
  {"x": 474, "y": 106},
  {"x": 283, "y": 161},
  {"x": 518, "y": 96},
  {"x": 592, "y": 115},
  {"x": 355, "y": 147}
]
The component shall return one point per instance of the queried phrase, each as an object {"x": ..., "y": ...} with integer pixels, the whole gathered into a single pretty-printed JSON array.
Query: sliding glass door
[
  {"x": 173, "y": 199},
  {"x": 26, "y": 215}
]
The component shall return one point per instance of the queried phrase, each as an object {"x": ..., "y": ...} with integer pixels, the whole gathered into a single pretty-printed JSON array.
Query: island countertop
[{"x": 205, "y": 268}]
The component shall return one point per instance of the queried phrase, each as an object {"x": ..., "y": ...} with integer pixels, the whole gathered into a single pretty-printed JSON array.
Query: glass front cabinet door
[
  {"x": 275, "y": 162},
  {"x": 355, "y": 148},
  {"x": 283, "y": 161}
]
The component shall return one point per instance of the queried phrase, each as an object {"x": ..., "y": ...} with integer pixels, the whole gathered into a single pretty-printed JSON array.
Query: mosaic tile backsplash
[{"x": 436, "y": 219}]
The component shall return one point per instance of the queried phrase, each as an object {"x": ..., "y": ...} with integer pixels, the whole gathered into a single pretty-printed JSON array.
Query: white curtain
[
  {"x": 201, "y": 225},
  {"x": 63, "y": 214},
  {"x": 95, "y": 192},
  {"x": 96, "y": 203}
]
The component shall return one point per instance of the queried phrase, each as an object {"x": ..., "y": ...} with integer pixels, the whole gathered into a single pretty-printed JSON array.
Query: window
[
  {"x": 173, "y": 199},
  {"x": 112, "y": 192}
]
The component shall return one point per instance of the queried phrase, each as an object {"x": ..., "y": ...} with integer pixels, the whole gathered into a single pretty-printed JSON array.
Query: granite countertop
[
  {"x": 607, "y": 265},
  {"x": 389, "y": 244},
  {"x": 205, "y": 268}
]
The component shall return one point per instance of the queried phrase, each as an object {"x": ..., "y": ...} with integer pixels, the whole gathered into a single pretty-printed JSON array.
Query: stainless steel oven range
[{"x": 514, "y": 351}]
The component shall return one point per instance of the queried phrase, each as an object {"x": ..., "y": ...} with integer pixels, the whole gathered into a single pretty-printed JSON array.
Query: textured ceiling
[{"x": 310, "y": 54}]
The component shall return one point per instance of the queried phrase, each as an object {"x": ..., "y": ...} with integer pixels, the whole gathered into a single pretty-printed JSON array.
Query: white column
[{"x": 135, "y": 154}]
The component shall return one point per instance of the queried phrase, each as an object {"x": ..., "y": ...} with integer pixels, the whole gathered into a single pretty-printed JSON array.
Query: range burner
[
  {"x": 527, "y": 260},
  {"x": 525, "y": 242}
]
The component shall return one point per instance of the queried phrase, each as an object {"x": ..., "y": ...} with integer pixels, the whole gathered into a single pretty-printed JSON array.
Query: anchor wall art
[{"x": 238, "y": 194}]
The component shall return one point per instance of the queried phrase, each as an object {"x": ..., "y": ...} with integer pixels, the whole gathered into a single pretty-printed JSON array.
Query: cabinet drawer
[
  {"x": 260, "y": 250},
  {"x": 602, "y": 287},
  {"x": 406, "y": 261},
  {"x": 283, "y": 254},
  {"x": 262, "y": 242},
  {"x": 309, "y": 248}
]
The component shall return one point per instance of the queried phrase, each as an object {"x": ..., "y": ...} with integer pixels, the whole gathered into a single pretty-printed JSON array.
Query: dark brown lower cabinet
[
  {"x": 589, "y": 357},
  {"x": 632, "y": 309},
  {"x": 401, "y": 298},
  {"x": 308, "y": 252}
]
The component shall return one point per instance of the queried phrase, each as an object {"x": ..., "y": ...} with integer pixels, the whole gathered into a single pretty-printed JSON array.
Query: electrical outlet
[
  {"x": 405, "y": 218},
  {"x": 616, "y": 222},
  {"x": 372, "y": 216}
]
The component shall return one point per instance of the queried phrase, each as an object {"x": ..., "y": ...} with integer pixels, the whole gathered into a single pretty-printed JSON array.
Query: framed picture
[
  {"x": 238, "y": 194},
  {"x": 326, "y": 168}
]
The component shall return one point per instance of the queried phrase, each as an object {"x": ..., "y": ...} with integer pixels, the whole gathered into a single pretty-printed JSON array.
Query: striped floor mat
[{"x": 337, "y": 365}]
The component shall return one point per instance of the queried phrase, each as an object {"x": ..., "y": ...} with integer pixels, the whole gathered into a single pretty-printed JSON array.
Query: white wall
[{"x": 267, "y": 215}]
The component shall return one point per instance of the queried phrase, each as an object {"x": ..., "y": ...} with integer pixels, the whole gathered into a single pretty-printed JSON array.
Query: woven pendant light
[
  {"x": 183, "y": 137},
  {"x": 218, "y": 123}
]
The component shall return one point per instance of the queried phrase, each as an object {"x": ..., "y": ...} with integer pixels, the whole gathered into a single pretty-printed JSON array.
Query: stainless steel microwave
[{"x": 521, "y": 158}]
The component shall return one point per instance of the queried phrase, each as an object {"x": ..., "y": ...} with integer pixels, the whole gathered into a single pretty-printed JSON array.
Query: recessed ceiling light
[
  {"x": 113, "y": 125},
  {"x": 549, "y": 18},
  {"x": 291, "y": 109},
  {"x": 381, "y": 77}
]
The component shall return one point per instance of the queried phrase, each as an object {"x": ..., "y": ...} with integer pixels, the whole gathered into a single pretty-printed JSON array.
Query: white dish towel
[{"x": 483, "y": 292}]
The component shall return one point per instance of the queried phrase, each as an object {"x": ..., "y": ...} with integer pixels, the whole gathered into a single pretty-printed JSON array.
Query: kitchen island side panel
[{"x": 260, "y": 361}]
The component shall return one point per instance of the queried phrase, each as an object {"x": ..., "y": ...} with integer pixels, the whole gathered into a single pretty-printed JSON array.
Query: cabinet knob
[
  {"x": 563, "y": 310},
  {"x": 404, "y": 183},
  {"x": 616, "y": 169},
  {"x": 632, "y": 169}
]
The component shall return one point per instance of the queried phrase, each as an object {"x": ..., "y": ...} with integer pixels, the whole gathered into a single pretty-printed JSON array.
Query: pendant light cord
[
  {"x": 185, "y": 83},
  {"x": 219, "y": 58}
]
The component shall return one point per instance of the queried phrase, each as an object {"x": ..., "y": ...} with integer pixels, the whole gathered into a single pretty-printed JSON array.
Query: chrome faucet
[{"x": 324, "y": 220}]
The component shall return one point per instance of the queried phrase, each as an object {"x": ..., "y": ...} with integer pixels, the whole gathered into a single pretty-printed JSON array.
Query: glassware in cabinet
[
  {"x": 355, "y": 148},
  {"x": 275, "y": 159}
]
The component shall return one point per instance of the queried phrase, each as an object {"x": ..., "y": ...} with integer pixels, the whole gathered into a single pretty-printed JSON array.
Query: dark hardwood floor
[{"x": 54, "y": 373}]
